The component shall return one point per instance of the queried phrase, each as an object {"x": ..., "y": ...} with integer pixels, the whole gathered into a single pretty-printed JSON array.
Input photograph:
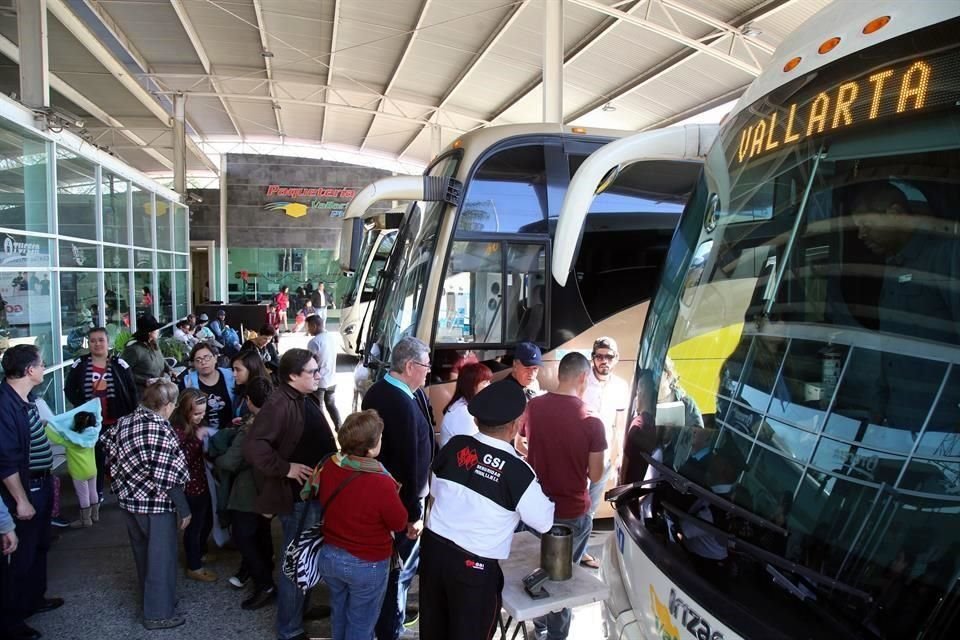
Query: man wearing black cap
[{"x": 481, "y": 490}]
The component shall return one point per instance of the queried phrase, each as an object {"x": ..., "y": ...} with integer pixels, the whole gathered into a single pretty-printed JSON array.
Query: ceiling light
[
  {"x": 266, "y": 53},
  {"x": 608, "y": 107},
  {"x": 750, "y": 31}
]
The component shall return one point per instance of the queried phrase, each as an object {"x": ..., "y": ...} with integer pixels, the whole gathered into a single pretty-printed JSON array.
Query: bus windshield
[
  {"x": 404, "y": 281},
  {"x": 803, "y": 360},
  {"x": 378, "y": 240}
]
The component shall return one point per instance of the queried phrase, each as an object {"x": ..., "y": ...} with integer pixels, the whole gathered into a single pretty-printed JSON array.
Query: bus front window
[
  {"x": 405, "y": 278},
  {"x": 815, "y": 323}
]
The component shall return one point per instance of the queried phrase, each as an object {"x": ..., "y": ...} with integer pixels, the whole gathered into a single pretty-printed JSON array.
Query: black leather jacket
[{"x": 124, "y": 399}]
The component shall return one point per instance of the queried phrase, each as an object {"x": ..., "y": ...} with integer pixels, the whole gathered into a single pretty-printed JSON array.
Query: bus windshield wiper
[
  {"x": 774, "y": 559},
  {"x": 687, "y": 486}
]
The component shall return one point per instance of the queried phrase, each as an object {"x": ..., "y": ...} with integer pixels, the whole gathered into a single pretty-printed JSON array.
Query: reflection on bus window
[
  {"x": 507, "y": 193},
  {"x": 816, "y": 324},
  {"x": 526, "y": 292},
  {"x": 471, "y": 305}
]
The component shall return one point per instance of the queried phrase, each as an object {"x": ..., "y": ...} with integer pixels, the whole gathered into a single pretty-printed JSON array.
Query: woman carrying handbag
[{"x": 361, "y": 512}]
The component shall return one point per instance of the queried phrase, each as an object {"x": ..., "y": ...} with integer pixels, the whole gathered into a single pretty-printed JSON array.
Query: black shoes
[
  {"x": 166, "y": 623},
  {"x": 25, "y": 633},
  {"x": 259, "y": 599},
  {"x": 49, "y": 604}
]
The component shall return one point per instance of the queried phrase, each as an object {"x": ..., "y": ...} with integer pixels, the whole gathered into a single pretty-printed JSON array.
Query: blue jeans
[
  {"x": 557, "y": 624},
  {"x": 291, "y": 602},
  {"x": 394, "y": 609},
  {"x": 357, "y": 588},
  {"x": 596, "y": 490}
]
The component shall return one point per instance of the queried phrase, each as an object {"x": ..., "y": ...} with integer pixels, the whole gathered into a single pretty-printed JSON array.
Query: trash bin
[{"x": 556, "y": 552}]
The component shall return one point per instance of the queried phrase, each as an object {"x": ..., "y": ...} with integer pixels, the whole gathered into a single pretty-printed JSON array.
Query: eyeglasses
[
  {"x": 425, "y": 365},
  {"x": 607, "y": 357},
  {"x": 203, "y": 359},
  {"x": 311, "y": 372}
]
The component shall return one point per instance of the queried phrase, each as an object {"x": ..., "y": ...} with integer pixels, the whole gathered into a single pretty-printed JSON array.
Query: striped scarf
[{"x": 353, "y": 463}]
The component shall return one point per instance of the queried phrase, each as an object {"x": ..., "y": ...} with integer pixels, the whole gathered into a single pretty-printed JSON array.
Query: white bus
[
  {"x": 470, "y": 273},
  {"x": 375, "y": 248},
  {"x": 812, "y": 313}
]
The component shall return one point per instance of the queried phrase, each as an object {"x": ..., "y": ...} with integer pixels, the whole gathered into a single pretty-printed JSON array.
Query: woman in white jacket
[{"x": 456, "y": 419}]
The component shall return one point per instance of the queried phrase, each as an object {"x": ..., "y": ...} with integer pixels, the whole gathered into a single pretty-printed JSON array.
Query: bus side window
[{"x": 526, "y": 293}]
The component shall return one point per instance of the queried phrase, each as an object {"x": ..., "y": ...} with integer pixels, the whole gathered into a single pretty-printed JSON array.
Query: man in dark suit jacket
[{"x": 406, "y": 452}]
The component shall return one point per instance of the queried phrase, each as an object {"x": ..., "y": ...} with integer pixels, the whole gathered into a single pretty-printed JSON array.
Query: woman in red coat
[{"x": 283, "y": 303}]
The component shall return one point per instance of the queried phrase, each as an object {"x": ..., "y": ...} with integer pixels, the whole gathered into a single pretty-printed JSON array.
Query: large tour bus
[
  {"x": 470, "y": 273},
  {"x": 375, "y": 248},
  {"x": 810, "y": 309}
]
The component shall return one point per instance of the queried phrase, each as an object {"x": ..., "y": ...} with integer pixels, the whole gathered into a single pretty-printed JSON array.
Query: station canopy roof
[{"x": 390, "y": 80}]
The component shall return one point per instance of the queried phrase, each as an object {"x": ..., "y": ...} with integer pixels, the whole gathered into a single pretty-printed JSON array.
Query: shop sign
[
  {"x": 21, "y": 251},
  {"x": 331, "y": 199}
]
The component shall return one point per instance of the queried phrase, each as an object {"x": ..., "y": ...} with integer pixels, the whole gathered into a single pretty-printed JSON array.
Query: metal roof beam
[
  {"x": 261, "y": 29},
  {"x": 313, "y": 103},
  {"x": 201, "y": 51},
  {"x": 330, "y": 61},
  {"x": 10, "y": 50},
  {"x": 82, "y": 32},
  {"x": 768, "y": 8},
  {"x": 672, "y": 34},
  {"x": 584, "y": 45},
  {"x": 396, "y": 70},
  {"x": 492, "y": 40}
]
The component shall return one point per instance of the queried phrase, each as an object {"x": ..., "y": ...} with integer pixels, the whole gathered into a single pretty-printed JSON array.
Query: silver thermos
[{"x": 556, "y": 552}]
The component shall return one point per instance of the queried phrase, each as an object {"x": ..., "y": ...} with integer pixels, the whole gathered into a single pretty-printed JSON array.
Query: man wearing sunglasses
[
  {"x": 27, "y": 491},
  {"x": 607, "y": 395}
]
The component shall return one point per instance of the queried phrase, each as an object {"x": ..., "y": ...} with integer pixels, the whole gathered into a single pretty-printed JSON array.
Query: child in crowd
[
  {"x": 251, "y": 531},
  {"x": 78, "y": 431},
  {"x": 187, "y": 421}
]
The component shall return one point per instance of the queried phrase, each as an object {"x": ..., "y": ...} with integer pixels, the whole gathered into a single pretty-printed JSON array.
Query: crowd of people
[{"x": 220, "y": 451}]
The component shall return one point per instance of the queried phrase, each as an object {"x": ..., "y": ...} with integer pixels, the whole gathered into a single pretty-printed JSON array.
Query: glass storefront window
[
  {"x": 116, "y": 257},
  {"x": 27, "y": 311},
  {"x": 165, "y": 292},
  {"x": 77, "y": 254},
  {"x": 180, "y": 262},
  {"x": 24, "y": 176},
  {"x": 164, "y": 221},
  {"x": 76, "y": 196},
  {"x": 142, "y": 259},
  {"x": 115, "y": 228},
  {"x": 180, "y": 304},
  {"x": 79, "y": 312},
  {"x": 50, "y": 390},
  {"x": 142, "y": 217},
  {"x": 24, "y": 251},
  {"x": 117, "y": 299},
  {"x": 181, "y": 233},
  {"x": 143, "y": 290}
]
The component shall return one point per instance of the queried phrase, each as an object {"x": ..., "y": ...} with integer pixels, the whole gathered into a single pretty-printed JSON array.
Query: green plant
[
  {"x": 173, "y": 348},
  {"x": 120, "y": 340}
]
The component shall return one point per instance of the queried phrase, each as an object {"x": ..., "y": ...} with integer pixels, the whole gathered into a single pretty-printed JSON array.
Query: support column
[
  {"x": 553, "y": 61},
  {"x": 179, "y": 144},
  {"x": 32, "y": 36},
  {"x": 222, "y": 249}
]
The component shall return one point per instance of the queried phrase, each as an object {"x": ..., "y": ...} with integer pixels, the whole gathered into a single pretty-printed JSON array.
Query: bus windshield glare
[{"x": 802, "y": 357}]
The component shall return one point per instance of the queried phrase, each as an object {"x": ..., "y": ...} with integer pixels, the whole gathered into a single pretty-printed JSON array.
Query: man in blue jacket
[
  {"x": 27, "y": 491},
  {"x": 407, "y": 452}
]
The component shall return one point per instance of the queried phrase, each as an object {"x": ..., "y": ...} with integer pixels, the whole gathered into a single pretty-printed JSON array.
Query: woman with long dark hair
[
  {"x": 456, "y": 419},
  {"x": 188, "y": 422},
  {"x": 247, "y": 367}
]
